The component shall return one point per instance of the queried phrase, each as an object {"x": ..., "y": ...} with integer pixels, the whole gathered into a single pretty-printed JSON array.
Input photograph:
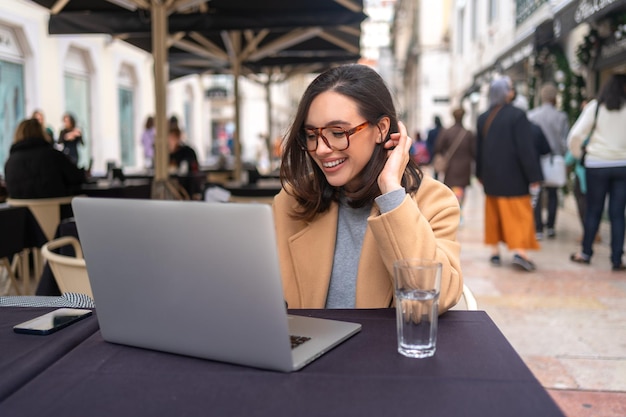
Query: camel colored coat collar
[{"x": 423, "y": 226}]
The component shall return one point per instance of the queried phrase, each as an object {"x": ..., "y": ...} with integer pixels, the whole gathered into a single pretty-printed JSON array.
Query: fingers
[
  {"x": 403, "y": 135},
  {"x": 399, "y": 138}
]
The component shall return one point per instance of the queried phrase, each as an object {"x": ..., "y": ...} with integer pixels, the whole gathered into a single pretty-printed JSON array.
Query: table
[
  {"x": 47, "y": 282},
  {"x": 261, "y": 191},
  {"x": 475, "y": 372},
  {"x": 23, "y": 357},
  {"x": 20, "y": 231},
  {"x": 130, "y": 188}
]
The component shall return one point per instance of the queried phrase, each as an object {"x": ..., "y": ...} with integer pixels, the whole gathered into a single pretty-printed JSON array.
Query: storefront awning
[{"x": 581, "y": 11}]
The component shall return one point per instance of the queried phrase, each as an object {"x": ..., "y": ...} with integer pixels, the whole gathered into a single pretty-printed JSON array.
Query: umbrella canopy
[{"x": 238, "y": 36}]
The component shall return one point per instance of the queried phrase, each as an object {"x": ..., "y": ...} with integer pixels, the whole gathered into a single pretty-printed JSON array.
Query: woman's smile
[{"x": 334, "y": 163}]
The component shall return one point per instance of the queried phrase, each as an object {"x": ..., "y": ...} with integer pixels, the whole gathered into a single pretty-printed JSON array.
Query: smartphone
[{"x": 52, "y": 321}]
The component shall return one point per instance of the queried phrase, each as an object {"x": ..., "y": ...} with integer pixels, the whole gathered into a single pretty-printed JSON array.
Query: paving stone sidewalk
[{"x": 567, "y": 321}]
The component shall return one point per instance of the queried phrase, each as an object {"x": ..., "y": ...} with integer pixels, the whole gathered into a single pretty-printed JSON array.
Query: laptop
[{"x": 198, "y": 279}]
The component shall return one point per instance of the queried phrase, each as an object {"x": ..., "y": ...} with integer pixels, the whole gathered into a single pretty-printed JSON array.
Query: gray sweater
[{"x": 351, "y": 226}]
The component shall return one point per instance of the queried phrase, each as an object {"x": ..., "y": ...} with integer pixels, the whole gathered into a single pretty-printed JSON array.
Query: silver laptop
[{"x": 196, "y": 278}]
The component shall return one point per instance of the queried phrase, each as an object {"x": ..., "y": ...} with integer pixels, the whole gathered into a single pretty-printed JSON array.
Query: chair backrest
[
  {"x": 47, "y": 211},
  {"x": 69, "y": 272},
  {"x": 468, "y": 297}
]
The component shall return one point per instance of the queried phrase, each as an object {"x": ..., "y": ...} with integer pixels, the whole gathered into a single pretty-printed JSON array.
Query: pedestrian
[
  {"x": 605, "y": 166},
  {"x": 353, "y": 201},
  {"x": 555, "y": 127},
  {"x": 507, "y": 166},
  {"x": 459, "y": 146},
  {"x": 431, "y": 139},
  {"x": 419, "y": 152}
]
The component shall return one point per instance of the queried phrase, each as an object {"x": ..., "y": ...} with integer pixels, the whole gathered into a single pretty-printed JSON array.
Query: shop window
[
  {"x": 188, "y": 115},
  {"x": 127, "y": 144},
  {"x": 492, "y": 11},
  {"x": 126, "y": 109},
  {"x": 78, "y": 100}
]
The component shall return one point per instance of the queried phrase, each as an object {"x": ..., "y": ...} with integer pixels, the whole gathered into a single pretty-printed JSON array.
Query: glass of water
[{"x": 417, "y": 284}]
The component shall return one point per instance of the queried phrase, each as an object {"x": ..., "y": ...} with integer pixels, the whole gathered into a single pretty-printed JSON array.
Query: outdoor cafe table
[
  {"x": 18, "y": 230},
  {"x": 130, "y": 188},
  {"x": 23, "y": 357},
  {"x": 475, "y": 372}
]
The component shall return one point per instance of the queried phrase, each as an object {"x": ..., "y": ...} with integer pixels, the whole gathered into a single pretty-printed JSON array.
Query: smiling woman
[{"x": 354, "y": 202}]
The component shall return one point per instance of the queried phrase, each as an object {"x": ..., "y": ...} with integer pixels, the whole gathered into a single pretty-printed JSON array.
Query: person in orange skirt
[{"x": 508, "y": 168}]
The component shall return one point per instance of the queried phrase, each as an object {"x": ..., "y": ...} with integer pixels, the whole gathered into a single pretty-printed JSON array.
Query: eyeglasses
[{"x": 335, "y": 137}]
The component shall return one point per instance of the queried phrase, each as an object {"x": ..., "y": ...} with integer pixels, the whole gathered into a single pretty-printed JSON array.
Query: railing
[{"x": 525, "y": 8}]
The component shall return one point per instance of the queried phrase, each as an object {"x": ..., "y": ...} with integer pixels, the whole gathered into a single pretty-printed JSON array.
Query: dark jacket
[
  {"x": 542, "y": 146},
  {"x": 190, "y": 181},
  {"x": 459, "y": 169},
  {"x": 70, "y": 147},
  {"x": 506, "y": 159},
  {"x": 36, "y": 170}
]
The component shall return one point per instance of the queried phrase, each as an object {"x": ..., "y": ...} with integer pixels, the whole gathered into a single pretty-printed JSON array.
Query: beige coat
[{"x": 421, "y": 227}]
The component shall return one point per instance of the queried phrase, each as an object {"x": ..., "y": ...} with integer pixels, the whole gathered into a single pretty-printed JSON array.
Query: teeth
[{"x": 333, "y": 163}]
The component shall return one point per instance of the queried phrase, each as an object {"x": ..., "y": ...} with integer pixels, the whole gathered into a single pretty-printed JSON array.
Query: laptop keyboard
[{"x": 298, "y": 340}]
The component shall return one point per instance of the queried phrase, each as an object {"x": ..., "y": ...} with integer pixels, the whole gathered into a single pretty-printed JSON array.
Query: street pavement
[{"x": 567, "y": 321}]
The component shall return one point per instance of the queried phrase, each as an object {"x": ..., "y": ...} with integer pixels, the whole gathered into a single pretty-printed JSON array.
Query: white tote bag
[{"x": 554, "y": 171}]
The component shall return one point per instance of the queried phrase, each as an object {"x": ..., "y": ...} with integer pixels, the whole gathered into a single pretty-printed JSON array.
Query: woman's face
[
  {"x": 66, "y": 122},
  {"x": 341, "y": 168},
  {"x": 172, "y": 142}
]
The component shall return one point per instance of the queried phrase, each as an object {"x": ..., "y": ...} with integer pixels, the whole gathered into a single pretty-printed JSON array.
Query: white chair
[
  {"x": 15, "y": 269},
  {"x": 468, "y": 297},
  {"x": 69, "y": 272},
  {"x": 47, "y": 211}
]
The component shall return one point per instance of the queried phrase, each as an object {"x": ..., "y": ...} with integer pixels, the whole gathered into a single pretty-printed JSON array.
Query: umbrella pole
[{"x": 162, "y": 189}]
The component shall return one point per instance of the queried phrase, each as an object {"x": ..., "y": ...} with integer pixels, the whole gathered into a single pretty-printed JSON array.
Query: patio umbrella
[{"x": 238, "y": 36}]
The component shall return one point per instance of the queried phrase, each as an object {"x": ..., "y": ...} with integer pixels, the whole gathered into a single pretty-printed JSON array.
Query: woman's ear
[{"x": 383, "y": 127}]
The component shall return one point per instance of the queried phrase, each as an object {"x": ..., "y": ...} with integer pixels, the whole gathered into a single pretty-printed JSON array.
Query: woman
[
  {"x": 70, "y": 137},
  {"x": 508, "y": 167},
  {"x": 353, "y": 202},
  {"x": 35, "y": 169},
  {"x": 38, "y": 114},
  {"x": 147, "y": 141},
  {"x": 605, "y": 166},
  {"x": 461, "y": 143}
]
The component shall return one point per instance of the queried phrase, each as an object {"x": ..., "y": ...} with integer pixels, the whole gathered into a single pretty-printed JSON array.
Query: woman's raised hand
[{"x": 398, "y": 147}]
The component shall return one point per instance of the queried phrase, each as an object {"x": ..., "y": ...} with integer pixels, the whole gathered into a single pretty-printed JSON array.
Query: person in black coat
[
  {"x": 507, "y": 165},
  {"x": 183, "y": 163},
  {"x": 35, "y": 169},
  {"x": 70, "y": 137}
]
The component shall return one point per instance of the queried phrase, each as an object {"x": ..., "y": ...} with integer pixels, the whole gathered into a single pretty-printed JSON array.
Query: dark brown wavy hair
[
  {"x": 300, "y": 175},
  {"x": 29, "y": 129},
  {"x": 613, "y": 92}
]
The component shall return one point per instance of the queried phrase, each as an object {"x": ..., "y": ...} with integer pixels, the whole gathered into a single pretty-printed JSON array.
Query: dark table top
[
  {"x": 260, "y": 189},
  {"x": 475, "y": 372},
  {"x": 23, "y": 357},
  {"x": 129, "y": 188}
]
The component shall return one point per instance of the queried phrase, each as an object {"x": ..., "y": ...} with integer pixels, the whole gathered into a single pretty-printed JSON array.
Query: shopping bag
[{"x": 554, "y": 171}]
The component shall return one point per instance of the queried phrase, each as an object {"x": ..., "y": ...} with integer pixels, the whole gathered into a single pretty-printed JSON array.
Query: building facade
[
  {"x": 576, "y": 44},
  {"x": 108, "y": 85}
]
